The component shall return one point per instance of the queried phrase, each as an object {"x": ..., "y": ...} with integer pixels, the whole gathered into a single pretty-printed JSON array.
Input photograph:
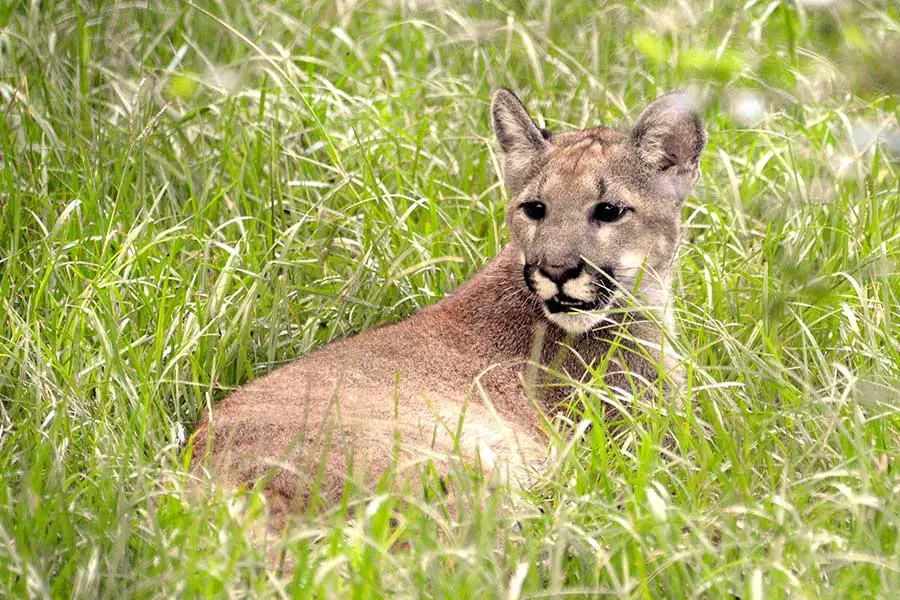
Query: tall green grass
[{"x": 193, "y": 193}]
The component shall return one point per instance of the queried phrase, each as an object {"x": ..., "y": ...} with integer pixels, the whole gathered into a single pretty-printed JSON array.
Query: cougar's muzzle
[{"x": 570, "y": 287}]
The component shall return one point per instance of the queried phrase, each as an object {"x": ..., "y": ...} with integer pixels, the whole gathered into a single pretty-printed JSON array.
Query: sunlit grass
[{"x": 192, "y": 194}]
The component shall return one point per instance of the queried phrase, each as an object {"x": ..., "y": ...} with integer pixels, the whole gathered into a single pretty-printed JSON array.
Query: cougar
[{"x": 594, "y": 219}]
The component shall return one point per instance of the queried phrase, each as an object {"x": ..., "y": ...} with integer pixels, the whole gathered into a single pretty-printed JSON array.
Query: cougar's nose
[{"x": 559, "y": 274}]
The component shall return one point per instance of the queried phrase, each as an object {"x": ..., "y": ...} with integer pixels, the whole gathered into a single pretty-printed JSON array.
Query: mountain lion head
[{"x": 595, "y": 214}]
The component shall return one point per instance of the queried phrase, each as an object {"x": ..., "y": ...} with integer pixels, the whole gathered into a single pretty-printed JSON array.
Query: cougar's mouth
[{"x": 563, "y": 304}]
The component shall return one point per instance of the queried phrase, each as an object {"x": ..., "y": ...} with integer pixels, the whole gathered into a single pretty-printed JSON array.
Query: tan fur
[{"x": 457, "y": 380}]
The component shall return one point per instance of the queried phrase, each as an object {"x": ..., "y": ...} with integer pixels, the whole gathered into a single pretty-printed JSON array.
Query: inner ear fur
[
  {"x": 670, "y": 134},
  {"x": 522, "y": 142}
]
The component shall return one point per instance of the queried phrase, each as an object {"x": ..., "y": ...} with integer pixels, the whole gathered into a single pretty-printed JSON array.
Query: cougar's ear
[
  {"x": 522, "y": 143},
  {"x": 670, "y": 136}
]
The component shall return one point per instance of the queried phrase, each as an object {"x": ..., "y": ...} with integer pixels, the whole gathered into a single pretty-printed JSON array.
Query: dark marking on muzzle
[{"x": 528, "y": 274}]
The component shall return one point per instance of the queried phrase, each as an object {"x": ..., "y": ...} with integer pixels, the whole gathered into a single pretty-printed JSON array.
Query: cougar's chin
[{"x": 575, "y": 322}]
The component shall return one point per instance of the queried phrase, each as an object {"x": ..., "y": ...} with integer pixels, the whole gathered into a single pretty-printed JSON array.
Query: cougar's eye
[
  {"x": 607, "y": 213},
  {"x": 534, "y": 210}
]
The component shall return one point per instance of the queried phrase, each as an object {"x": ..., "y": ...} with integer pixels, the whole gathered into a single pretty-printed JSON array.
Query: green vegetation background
[{"x": 193, "y": 193}]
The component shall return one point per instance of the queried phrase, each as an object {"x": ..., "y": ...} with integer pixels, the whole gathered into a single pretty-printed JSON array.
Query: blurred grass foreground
[{"x": 192, "y": 193}]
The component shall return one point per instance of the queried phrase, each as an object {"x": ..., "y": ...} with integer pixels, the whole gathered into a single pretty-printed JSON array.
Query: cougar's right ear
[{"x": 522, "y": 143}]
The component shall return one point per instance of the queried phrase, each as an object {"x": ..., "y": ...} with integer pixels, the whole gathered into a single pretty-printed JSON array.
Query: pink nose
[{"x": 561, "y": 273}]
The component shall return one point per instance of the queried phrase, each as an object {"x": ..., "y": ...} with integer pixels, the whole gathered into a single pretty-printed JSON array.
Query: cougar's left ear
[
  {"x": 670, "y": 136},
  {"x": 521, "y": 141}
]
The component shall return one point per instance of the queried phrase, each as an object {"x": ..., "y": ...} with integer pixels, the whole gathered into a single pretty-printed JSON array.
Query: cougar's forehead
[
  {"x": 581, "y": 171},
  {"x": 583, "y": 166},
  {"x": 580, "y": 153}
]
